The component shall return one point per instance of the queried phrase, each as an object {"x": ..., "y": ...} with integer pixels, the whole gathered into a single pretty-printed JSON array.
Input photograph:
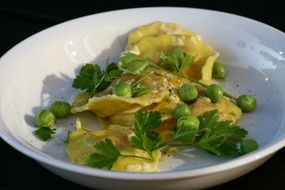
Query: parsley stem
[
  {"x": 134, "y": 156},
  {"x": 140, "y": 79},
  {"x": 229, "y": 95},
  {"x": 180, "y": 144},
  {"x": 205, "y": 86},
  {"x": 191, "y": 79},
  {"x": 98, "y": 84}
]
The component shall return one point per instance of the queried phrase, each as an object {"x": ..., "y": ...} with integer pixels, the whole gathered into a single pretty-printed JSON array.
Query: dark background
[{"x": 20, "y": 19}]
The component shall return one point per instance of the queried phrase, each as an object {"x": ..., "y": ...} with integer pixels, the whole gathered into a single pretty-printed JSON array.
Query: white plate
[{"x": 41, "y": 68}]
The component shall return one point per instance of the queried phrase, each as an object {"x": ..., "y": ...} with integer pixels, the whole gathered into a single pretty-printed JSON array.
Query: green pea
[
  {"x": 187, "y": 122},
  {"x": 248, "y": 145},
  {"x": 215, "y": 93},
  {"x": 188, "y": 92},
  {"x": 60, "y": 109},
  {"x": 181, "y": 110},
  {"x": 219, "y": 71},
  {"x": 45, "y": 118},
  {"x": 122, "y": 89},
  {"x": 246, "y": 103}
]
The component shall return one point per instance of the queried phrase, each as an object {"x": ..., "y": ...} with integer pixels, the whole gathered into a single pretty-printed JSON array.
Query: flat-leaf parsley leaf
[
  {"x": 219, "y": 137},
  {"x": 105, "y": 156},
  {"x": 178, "y": 60},
  {"x": 44, "y": 133},
  {"x": 144, "y": 138},
  {"x": 136, "y": 91},
  {"x": 133, "y": 63},
  {"x": 92, "y": 79}
]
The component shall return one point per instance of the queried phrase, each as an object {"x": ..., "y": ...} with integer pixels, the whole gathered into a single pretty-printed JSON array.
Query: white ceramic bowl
[{"x": 40, "y": 69}]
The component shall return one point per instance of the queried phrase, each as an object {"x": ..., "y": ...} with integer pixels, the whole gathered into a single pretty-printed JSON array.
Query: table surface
[{"x": 20, "y": 19}]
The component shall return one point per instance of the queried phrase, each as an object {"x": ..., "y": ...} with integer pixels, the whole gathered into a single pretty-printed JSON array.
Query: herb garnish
[
  {"x": 144, "y": 138},
  {"x": 92, "y": 79},
  {"x": 218, "y": 137},
  {"x": 138, "y": 65},
  {"x": 106, "y": 155},
  {"x": 178, "y": 60},
  {"x": 133, "y": 63},
  {"x": 136, "y": 91},
  {"x": 44, "y": 133}
]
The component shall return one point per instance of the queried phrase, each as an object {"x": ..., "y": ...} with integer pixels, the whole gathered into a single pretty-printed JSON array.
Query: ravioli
[
  {"x": 81, "y": 141},
  {"x": 110, "y": 104},
  {"x": 227, "y": 109},
  {"x": 121, "y": 109},
  {"x": 131, "y": 164},
  {"x": 116, "y": 114},
  {"x": 81, "y": 146},
  {"x": 149, "y": 41},
  {"x": 155, "y": 29}
]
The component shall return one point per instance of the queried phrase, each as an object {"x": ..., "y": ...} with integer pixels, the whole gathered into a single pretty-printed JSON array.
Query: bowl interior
[{"x": 41, "y": 69}]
